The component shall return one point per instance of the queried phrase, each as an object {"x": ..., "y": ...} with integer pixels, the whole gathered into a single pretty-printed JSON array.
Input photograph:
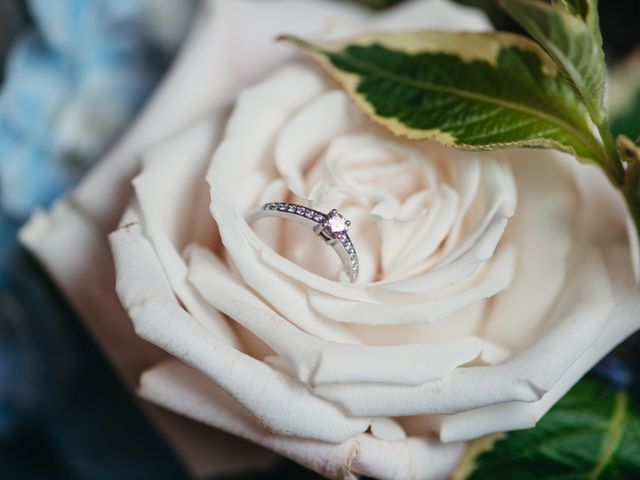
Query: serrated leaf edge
[
  {"x": 318, "y": 53},
  {"x": 564, "y": 63}
]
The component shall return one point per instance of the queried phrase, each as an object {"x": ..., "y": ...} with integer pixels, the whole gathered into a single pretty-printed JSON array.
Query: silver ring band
[{"x": 331, "y": 227}]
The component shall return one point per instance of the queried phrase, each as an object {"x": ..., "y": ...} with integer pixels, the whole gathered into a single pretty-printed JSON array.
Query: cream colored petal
[
  {"x": 458, "y": 270},
  {"x": 362, "y": 164},
  {"x": 285, "y": 296},
  {"x": 634, "y": 245},
  {"x": 498, "y": 194},
  {"x": 186, "y": 391},
  {"x": 418, "y": 309},
  {"x": 301, "y": 139},
  {"x": 261, "y": 111},
  {"x": 201, "y": 76},
  {"x": 237, "y": 146},
  {"x": 544, "y": 229},
  {"x": 432, "y": 15},
  {"x": 315, "y": 361},
  {"x": 621, "y": 322},
  {"x": 579, "y": 317},
  {"x": 430, "y": 234},
  {"x": 65, "y": 241},
  {"x": 173, "y": 209},
  {"x": 463, "y": 323},
  {"x": 468, "y": 175},
  {"x": 281, "y": 403},
  {"x": 608, "y": 214}
]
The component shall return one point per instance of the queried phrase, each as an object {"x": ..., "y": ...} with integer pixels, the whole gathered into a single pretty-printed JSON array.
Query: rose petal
[
  {"x": 608, "y": 212},
  {"x": 259, "y": 113},
  {"x": 405, "y": 309},
  {"x": 184, "y": 390},
  {"x": 66, "y": 241},
  {"x": 461, "y": 261},
  {"x": 621, "y": 322},
  {"x": 280, "y": 403},
  {"x": 634, "y": 245},
  {"x": 581, "y": 313},
  {"x": 316, "y": 361},
  {"x": 431, "y": 14},
  {"x": 170, "y": 206},
  {"x": 300, "y": 138},
  {"x": 543, "y": 229},
  {"x": 431, "y": 232},
  {"x": 201, "y": 71}
]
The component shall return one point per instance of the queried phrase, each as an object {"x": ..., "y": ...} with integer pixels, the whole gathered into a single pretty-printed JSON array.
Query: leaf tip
[
  {"x": 286, "y": 37},
  {"x": 628, "y": 150},
  {"x": 295, "y": 41}
]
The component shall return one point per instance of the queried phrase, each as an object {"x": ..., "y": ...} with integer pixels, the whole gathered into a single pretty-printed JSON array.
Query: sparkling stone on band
[
  {"x": 331, "y": 227},
  {"x": 336, "y": 224}
]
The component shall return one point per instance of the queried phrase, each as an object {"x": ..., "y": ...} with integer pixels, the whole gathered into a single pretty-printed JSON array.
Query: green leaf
[
  {"x": 628, "y": 122},
  {"x": 568, "y": 30},
  {"x": 467, "y": 90},
  {"x": 628, "y": 150},
  {"x": 590, "y": 434},
  {"x": 575, "y": 7}
]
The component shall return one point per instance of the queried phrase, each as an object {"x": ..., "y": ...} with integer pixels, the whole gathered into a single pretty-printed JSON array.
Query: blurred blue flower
[
  {"x": 616, "y": 371},
  {"x": 75, "y": 74},
  {"x": 71, "y": 85}
]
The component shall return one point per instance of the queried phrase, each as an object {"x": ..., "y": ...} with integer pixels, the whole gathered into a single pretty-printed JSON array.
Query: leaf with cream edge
[
  {"x": 576, "y": 7},
  {"x": 571, "y": 36},
  {"x": 475, "y": 91},
  {"x": 591, "y": 434},
  {"x": 569, "y": 32}
]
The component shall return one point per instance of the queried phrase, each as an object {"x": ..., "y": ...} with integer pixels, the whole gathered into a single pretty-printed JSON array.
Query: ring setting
[{"x": 332, "y": 227}]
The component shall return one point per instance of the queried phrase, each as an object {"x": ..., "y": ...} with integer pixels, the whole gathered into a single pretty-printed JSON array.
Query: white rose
[{"x": 489, "y": 284}]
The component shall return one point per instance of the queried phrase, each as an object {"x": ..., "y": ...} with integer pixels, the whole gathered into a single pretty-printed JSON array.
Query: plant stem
[{"x": 612, "y": 165}]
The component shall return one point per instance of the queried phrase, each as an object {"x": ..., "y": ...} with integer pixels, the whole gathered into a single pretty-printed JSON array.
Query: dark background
[{"x": 71, "y": 417}]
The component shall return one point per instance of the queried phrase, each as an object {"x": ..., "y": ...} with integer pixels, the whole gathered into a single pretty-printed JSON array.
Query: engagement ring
[{"x": 331, "y": 227}]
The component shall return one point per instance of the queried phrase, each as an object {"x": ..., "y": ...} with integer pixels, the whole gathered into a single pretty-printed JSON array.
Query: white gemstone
[{"x": 337, "y": 223}]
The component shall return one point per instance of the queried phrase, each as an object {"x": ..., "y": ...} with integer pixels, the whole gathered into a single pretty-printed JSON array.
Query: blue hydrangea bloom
[
  {"x": 71, "y": 85},
  {"x": 74, "y": 76}
]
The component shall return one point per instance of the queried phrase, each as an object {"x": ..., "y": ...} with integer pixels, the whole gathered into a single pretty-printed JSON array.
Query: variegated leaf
[{"x": 487, "y": 90}]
